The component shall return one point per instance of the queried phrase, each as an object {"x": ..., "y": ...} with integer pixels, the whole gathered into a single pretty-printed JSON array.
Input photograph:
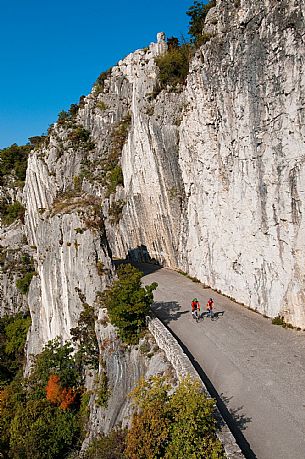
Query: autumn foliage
[{"x": 64, "y": 397}]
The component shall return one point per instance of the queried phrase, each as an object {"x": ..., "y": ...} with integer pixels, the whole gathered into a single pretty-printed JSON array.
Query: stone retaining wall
[{"x": 183, "y": 366}]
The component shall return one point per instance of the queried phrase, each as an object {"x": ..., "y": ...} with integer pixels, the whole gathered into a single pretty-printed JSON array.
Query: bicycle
[{"x": 196, "y": 315}]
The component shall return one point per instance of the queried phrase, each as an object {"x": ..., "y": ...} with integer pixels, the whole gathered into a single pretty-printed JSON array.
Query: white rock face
[
  {"x": 214, "y": 177},
  {"x": 13, "y": 247},
  {"x": 242, "y": 158},
  {"x": 68, "y": 252}
]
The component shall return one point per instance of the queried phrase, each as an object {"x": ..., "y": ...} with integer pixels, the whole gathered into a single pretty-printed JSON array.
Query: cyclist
[
  {"x": 195, "y": 308},
  {"x": 210, "y": 305}
]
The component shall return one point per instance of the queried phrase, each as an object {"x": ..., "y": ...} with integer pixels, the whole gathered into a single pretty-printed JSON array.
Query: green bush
[
  {"x": 41, "y": 430},
  {"x": 109, "y": 446},
  {"x": 102, "y": 392},
  {"x": 23, "y": 284},
  {"x": 14, "y": 161},
  {"x": 16, "y": 333},
  {"x": 174, "y": 66},
  {"x": 128, "y": 303},
  {"x": 58, "y": 359},
  {"x": 10, "y": 212},
  {"x": 197, "y": 13},
  {"x": 100, "y": 81},
  {"x": 114, "y": 179},
  {"x": 279, "y": 320},
  {"x": 13, "y": 333},
  {"x": 85, "y": 337},
  {"x": 79, "y": 135},
  {"x": 168, "y": 424},
  {"x": 101, "y": 105}
]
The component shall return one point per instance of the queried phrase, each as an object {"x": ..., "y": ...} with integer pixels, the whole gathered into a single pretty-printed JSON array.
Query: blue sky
[{"x": 52, "y": 52}]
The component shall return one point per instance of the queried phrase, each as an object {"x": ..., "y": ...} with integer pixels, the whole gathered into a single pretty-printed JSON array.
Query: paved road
[{"x": 258, "y": 369}]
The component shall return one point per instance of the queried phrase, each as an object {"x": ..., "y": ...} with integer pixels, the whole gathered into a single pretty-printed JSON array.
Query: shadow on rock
[
  {"x": 141, "y": 259},
  {"x": 168, "y": 311}
]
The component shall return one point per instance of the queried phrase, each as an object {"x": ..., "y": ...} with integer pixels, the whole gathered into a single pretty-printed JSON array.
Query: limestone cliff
[
  {"x": 214, "y": 175},
  {"x": 208, "y": 179}
]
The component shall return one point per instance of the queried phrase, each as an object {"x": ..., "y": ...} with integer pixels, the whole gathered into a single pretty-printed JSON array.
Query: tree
[
  {"x": 13, "y": 333},
  {"x": 64, "y": 397},
  {"x": 148, "y": 435},
  {"x": 14, "y": 160},
  {"x": 197, "y": 13},
  {"x": 41, "y": 430},
  {"x": 172, "y": 425},
  {"x": 85, "y": 337},
  {"x": 56, "y": 359},
  {"x": 128, "y": 303},
  {"x": 193, "y": 426},
  {"x": 109, "y": 446}
]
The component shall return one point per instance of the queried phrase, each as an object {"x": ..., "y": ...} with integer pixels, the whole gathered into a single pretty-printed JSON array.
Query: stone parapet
[{"x": 183, "y": 366}]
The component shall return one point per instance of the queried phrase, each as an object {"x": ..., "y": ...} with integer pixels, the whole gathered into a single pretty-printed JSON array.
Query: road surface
[{"x": 254, "y": 368}]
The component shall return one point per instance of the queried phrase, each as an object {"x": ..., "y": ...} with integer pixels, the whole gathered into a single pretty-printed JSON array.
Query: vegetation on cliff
[
  {"x": 13, "y": 163},
  {"x": 166, "y": 424},
  {"x": 198, "y": 13},
  {"x": 128, "y": 303},
  {"x": 174, "y": 64}
]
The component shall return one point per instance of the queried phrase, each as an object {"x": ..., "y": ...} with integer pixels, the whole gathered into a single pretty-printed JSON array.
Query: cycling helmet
[
  {"x": 195, "y": 299},
  {"x": 211, "y": 299}
]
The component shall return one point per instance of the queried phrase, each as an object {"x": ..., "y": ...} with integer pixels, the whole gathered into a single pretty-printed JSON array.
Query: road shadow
[
  {"x": 240, "y": 418},
  {"x": 234, "y": 420},
  {"x": 215, "y": 316},
  {"x": 168, "y": 310}
]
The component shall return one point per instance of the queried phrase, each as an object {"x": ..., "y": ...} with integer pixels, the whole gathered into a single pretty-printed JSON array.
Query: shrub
[
  {"x": 42, "y": 430},
  {"x": 279, "y": 320},
  {"x": 13, "y": 333},
  {"x": 79, "y": 135},
  {"x": 23, "y": 284},
  {"x": 16, "y": 332},
  {"x": 128, "y": 303},
  {"x": 14, "y": 161},
  {"x": 174, "y": 66},
  {"x": 38, "y": 140},
  {"x": 63, "y": 117},
  {"x": 12, "y": 212},
  {"x": 55, "y": 359},
  {"x": 84, "y": 336},
  {"x": 197, "y": 13},
  {"x": 179, "y": 424},
  {"x": 102, "y": 392},
  {"x": 101, "y": 105},
  {"x": 100, "y": 81},
  {"x": 118, "y": 138},
  {"x": 114, "y": 179},
  {"x": 109, "y": 446}
]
